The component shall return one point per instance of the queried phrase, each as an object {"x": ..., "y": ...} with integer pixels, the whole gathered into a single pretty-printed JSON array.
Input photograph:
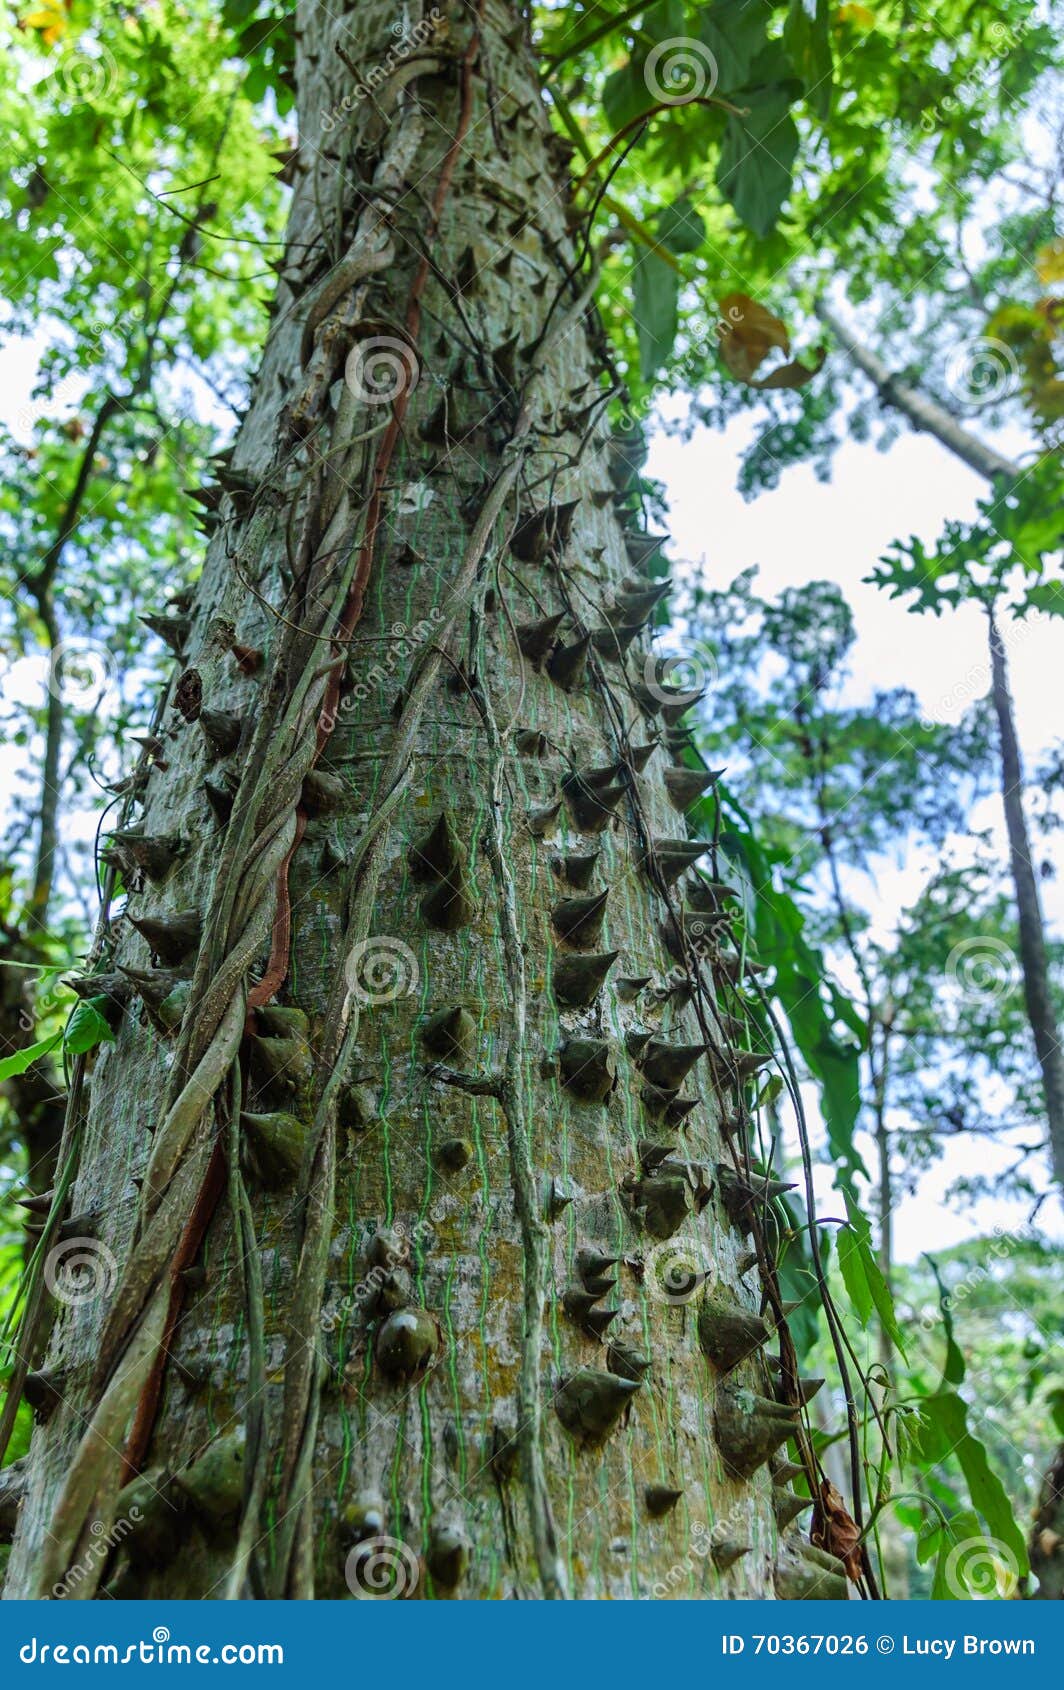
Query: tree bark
[
  {"x": 1046, "y": 1547},
  {"x": 924, "y": 414},
  {"x": 343, "y": 1215}
]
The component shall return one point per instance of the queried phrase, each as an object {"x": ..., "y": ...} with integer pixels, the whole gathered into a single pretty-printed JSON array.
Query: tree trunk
[
  {"x": 1046, "y": 1547},
  {"x": 341, "y": 1219},
  {"x": 1035, "y": 967},
  {"x": 924, "y": 414}
]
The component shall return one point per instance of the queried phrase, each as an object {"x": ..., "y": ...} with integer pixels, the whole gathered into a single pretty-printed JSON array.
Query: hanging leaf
[
  {"x": 656, "y": 290},
  {"x": 681, "y": 228},
  {"x": 750, "y": 333},
  {"x": 87, "y": 1027},
  {"x": 835, "y": 1531},
  {"x": 754, "y": 170},
  {"x": 792, "y": 375},
  {"x": 862, "y": 1275},
  {"x": 944, "y": 1432},
  {"x": 734, "y": 35},
  {"x": 807, "y": 38},
  {"x": 954, "y": 1369}
]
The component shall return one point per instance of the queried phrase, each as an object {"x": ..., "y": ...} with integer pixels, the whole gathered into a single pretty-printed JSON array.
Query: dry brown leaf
[
  {"x": 794, "y": 374},
  {"x": 834, "y": 1530},
  {"x": 747, "y": 333}
]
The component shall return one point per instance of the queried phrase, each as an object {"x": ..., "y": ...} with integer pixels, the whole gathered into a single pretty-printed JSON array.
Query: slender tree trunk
[
  {"x": 345, "y": 1171},
  {"x": 924, "y": 414},
  {"x": 1039, "y": 1002}
]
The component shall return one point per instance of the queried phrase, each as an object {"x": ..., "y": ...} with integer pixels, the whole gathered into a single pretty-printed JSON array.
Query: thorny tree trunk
[
  {"x": 1046, "y": 1547},
  {"x": 355, "y": 1196},
  {"x": 924, "y": 414}
]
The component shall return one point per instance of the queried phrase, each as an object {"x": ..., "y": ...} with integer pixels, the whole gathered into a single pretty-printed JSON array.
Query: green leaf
[
  {"x": 665, "y": 21},
  {"x": 734, "y": 36},
  {"x": 754, "y": 171},
  {"x": 625, "y": 95},
  {"x": 23, "y": 1059},
  {"x": 681, "y": 228},
  {"x": 807, "y": 38},
  {"x": 954, "y": 1369},
  {"x": 1047, "y": 597},
  {"x": 656, "y": 290},
  {"x": 87, "y": 1027},
  {"x": 862, "y": 1276},
  {"x": 853, "y": 1275},
  {"x": 944, "y": 1433}
]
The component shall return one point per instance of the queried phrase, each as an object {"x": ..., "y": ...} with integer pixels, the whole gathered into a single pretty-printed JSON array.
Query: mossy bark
[{"x": 384, "y": 1320}]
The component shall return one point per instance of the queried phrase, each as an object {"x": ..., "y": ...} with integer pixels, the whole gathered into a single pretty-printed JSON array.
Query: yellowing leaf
[
  {"x": 792, "y": 375},
  {"x": 747, "y": 333},
  {"x": 49, "y": 20},
  {"x": 1049, "y": 263},
  {"x": 859, "y": 16}
]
